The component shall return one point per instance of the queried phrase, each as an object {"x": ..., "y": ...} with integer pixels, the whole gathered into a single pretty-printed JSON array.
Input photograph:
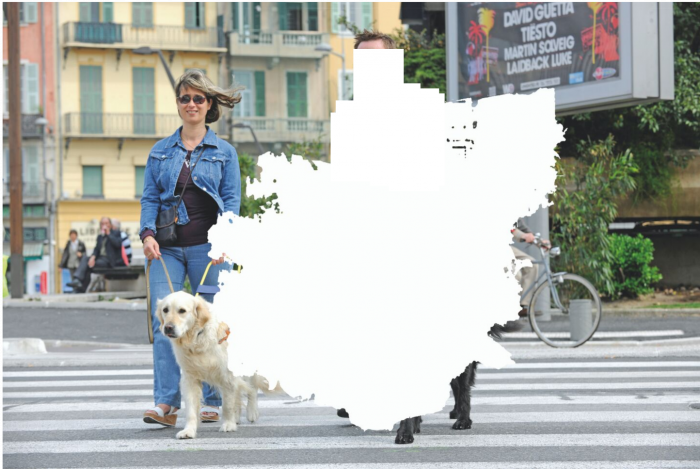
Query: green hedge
[{"x": 631, "y": 267}]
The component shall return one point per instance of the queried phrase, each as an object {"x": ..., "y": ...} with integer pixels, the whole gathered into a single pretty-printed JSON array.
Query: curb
[
  {"x": 28, "y": 346},
  {"x": 102, "y": 305},
  {"x": 652, "y": 312},
  {"x": 84, "y": 343},
  {"x": 622, "y": 344}
]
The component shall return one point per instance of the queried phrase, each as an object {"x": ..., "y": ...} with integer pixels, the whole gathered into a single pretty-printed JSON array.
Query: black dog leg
[
  {"x": 406, "y": 430},
  {"x": 454, "y": 384},
  {"x": 463, "y": 400}
]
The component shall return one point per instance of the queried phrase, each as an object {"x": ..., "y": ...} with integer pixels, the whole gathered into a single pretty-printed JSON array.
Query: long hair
[{"x": 197, "y": 80}]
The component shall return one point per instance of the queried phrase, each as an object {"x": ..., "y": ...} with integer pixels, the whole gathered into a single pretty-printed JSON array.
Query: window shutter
[
  {"x": 92, "y": 181},
  {"x": 313, "y": 16},
  {"x": 190, "y": 14},
  {"x": 256, "y": 17},
  {"x": 139, "y": 172},
  {"x": 136, "y": 13},
  {"x": 259, "y": 93},
  {"x": 85, "y": 15},
  {"x": 6, "y": 108},
  {"x": 30, "y": 13},
  {"x": 234, "y": 15},
  {"x": 282, "y": 12},
  {"x": 366, "y": 15},
  {"x": 200, "y": 8},
  {"x": 32, "y": 165},
  {"x": 335, "y": 13},
  {"x": 108, "y": 12},
  {"x": 32, "y": 103},
  {"x": 147, "y": 9}
]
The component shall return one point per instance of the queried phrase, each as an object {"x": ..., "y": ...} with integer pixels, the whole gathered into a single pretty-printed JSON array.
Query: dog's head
[{"x": 180, "y": 313}]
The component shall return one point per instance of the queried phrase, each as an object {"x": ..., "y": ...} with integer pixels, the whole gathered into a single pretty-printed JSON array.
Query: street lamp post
[
  {"x": 149, "y": 51},
  {"x": 323, "y": 47}
]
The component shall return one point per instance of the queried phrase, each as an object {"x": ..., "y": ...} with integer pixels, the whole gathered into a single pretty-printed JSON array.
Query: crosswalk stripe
[
  {"x": 477, "y": 402},
  {"x": 516, "y": 366},
  {"x": 556, "y": 376},
  {"x": 77, "y": 383},
  {"x": 598, "y": 335},
  {"x": 353, "y": 442},
  {"x": 653, "y": 464},
  {"x": 333, "y": 420},
  {"x": 477, "y": 390}
]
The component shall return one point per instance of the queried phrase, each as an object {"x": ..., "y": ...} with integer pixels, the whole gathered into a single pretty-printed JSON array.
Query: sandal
[
  {"x": 209, "y": 410},
  {"x": 160, "y": 417}
]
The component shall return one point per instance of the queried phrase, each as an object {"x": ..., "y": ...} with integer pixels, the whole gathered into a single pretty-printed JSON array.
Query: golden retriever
[{"x": 199, "y": 341}]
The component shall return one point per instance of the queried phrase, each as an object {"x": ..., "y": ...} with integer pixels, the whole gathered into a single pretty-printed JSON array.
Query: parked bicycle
[{"x": 565, "y": 309}]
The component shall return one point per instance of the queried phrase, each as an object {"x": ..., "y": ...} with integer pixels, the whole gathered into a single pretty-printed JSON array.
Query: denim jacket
[{"x": 217, "y": 173}]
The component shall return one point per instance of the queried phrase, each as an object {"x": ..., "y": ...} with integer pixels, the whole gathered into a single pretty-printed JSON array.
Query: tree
[
  {"x": 424, "y": 58},
  {"x": 250, "y": 206}
]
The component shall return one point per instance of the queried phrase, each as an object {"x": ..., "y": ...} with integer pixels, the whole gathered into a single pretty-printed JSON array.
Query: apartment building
[
  {"x": 116, "y": 101},
  {"x": 38, "y": 121},
  {"x": 272, "y": 53}
]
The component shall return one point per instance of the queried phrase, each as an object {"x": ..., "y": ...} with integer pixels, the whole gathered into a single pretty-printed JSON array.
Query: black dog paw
[
  {"x": 462, "y": 424},
  {"x": 403, "y": 439},
  {"x": 454, "y": 414}
]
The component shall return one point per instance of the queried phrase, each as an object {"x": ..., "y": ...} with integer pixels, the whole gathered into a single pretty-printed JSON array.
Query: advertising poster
[{"x": 521, "y": 46}]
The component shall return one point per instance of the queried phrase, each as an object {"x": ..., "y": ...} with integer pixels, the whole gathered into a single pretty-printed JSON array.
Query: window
[
  {"x": 6, "y": 211},
  {"x": 139, "y": 172},
  {"x": 313, "y": 15},
  {"x": 90, "y": 99},
  {"x": 345, "y": 92},
  {"x": 29, "y": 88},
  {"x": 144, "y": 100},
  {"x": 253, "y": 96},
  {"x": 92, "y": 181},
  {"x": 194, "y": 15},
  {"x": 297, "y": 103},
  {"x": 31, "y": 168},
  {"x": 142, "y": 14},
  {"x": 27, "y": 13},
  {"x": 297, "y": 16},
  {"x": 94, "y": 12},
  {"x": 357, "y": 13},
  {"x": 246, "y": 17}
]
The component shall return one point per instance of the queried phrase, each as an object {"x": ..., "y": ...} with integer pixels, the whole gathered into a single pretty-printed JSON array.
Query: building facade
[
  {"x": 38, "y": 100},
  {"x": 115, "y": 102},
  {"x": 272, "y": 54}
]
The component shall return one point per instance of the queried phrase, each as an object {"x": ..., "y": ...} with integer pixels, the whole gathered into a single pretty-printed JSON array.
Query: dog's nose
[{"x": 168, "y": 329}]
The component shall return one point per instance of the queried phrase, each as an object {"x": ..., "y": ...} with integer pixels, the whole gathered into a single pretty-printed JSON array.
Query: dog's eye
[
  {"x": 165, "y": 310},
  {"x": 182, "y": 311}
]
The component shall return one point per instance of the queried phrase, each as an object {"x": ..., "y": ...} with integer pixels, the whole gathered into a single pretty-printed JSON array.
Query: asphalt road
[
  {"x": 129, "y": 327},
  {"x": 592, "y": 414}
]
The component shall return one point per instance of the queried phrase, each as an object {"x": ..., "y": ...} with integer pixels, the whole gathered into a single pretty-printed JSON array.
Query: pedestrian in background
[
  {"x": 126, "y": 242},
  {"x": 72, "y": 253},
  {"x": 107, "y": 253},
  {"x": 195, "y": 165}
]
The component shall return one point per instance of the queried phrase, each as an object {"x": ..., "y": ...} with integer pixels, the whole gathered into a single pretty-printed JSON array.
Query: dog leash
[{"x": 238, "y": 268}]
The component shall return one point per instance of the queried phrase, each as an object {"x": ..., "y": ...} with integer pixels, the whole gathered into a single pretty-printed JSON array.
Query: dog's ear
[{"x": 201, "y": 311}]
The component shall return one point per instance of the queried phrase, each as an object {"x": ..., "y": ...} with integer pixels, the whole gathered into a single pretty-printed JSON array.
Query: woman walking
[
  {"x": 196, "y": 168},
  {"x": 72, "y": 253}
]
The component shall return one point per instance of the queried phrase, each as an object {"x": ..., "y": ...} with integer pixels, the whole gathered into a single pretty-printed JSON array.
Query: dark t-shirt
[{"x": 202, "y": 210}]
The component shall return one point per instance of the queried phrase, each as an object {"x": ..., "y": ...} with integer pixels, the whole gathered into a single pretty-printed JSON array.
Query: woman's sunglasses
[{"x": 198, "y": 99}]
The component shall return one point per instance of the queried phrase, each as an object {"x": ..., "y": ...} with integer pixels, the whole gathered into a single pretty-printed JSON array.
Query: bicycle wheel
[{"x": 573, "y": 313}]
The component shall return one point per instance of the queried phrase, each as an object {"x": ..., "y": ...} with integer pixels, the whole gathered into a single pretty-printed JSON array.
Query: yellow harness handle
[{"x": 206, "y": 271}]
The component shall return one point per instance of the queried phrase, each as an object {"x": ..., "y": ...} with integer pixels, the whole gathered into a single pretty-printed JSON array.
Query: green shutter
[
  {"x": 256, "y": 17},
  {"x": 32, "y": 102},
  {"x": 30, "y": 12},
  {"x": 283, "y": 16},
  {"x": 92, "y": 181},
  {"x": 366, "y": 15},
  {"x": 85, "y": 15},
  {"x": 147, "y": 14},
  {"x": 91, "y": 99},
  {"x": 190, "y": 15},
  {"x": 297, "y": 104},
  {"x": 313, "y": 15},
  {"x": 108, "y": 12},
  {"x": 139, "y": 172},
  {"x": 144, "y": 101},
  {"x": 335, "y": 13},
  {"x": 31, "y": 170},
  {"x": 136, "y": 15},
  {"x": 260, "y": 93},
  {"x": 142, "y": 14},
  {"x": 201, "y": 7},
  {"x": 234, "y": 15}
]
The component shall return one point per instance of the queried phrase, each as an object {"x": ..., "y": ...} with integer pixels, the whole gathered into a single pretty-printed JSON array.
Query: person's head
[
  {"x": 199, "y": 100},
  {"x": 116, "y": 224},
  {"x": 73, "y": 235},
  {"x": 105, "y": 224},
  {"x": 373, "y": 40}
]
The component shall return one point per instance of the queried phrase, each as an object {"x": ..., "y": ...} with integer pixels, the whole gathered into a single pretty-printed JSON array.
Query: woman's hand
[
  {"x": 150, "y": 248},
  {"x": 91, "y": 262},
  {"x": 80, "y": 254},
  {"x": 218, "y": 261}
]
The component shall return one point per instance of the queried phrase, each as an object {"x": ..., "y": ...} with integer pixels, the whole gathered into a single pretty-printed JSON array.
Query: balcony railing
[
  {"x": 129, "y": 36},
  {"x": 29, "y": 127},
  {"x": 289, "y": 44},
  {"x": 31, "y": 191},
  {"x": 290, "y": 129},
  {"x": 87, "y": 124}
]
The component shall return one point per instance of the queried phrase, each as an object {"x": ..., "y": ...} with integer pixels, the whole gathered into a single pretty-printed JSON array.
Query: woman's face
[
  {"x": 73, "y": 237},
  {"x": 192, "y": 113}
]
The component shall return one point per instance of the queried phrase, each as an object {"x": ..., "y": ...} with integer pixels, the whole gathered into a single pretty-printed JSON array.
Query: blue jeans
[{"x": 191, "y": 261}]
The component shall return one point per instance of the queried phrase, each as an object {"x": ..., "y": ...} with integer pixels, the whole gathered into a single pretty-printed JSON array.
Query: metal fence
[{"x": 30, "y": 190}]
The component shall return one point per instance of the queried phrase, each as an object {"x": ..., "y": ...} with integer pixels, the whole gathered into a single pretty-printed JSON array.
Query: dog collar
[{"x": 228, "y": 331}]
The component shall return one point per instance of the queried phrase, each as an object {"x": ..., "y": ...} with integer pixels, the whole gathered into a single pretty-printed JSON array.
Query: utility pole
[{"x": 15, "y": 128}]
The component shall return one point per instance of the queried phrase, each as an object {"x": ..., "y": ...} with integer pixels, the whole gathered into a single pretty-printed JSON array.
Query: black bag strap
[{"x": 182, "y": 194}]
